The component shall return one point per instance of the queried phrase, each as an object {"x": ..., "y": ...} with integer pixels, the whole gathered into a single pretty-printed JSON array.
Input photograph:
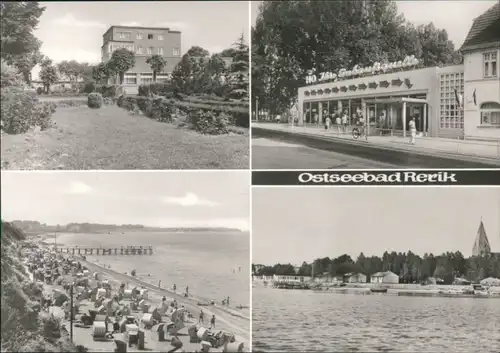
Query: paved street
[
  {"x": 273, "y": 154},
  {"x": 274, "y": 149}
]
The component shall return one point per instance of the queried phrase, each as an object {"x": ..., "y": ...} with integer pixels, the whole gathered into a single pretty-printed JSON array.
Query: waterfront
[
  {"x": 204, "y": 261},
  {"x": 285, "y": 320}
]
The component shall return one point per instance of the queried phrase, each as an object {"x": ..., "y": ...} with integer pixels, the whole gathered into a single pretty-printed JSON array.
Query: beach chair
[
  {"x": 202, "y": 334},
  {"x": 141, "y": 340},
  {"x": 176, "y": 342},
  {"x": 147, "y": 320},
  {"x": 99, "y": 331},
  {"x": 121, "y": 346},
  {"x": 233, "y": 347},
  {"x": 205, "y": 346},
  {"x": 193, "y": 336}
]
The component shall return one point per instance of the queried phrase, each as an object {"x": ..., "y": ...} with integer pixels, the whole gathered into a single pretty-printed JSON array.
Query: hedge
[
  {"x": 200, "y": 115},
  {"x": 21, "y": 111},
  {"x": 95, "y": 100}
]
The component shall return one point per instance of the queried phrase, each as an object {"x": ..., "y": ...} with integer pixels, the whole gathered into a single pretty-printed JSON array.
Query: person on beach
[
  {"x": 413, "y": 131},
  {"x": 223, "y": 302},
  {"x": 227, "y": 301},
  {"x": 200, "y": 320},
  {"x": 187, "y": 291},
  {"x": 174, "y": 287},
  {"x": 164, "y": 299},
  {"x": 212, "y": 321},
  {"x": 159, "y": 283}
]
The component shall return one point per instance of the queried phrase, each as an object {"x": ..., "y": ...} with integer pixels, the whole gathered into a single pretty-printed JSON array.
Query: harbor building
[
  {"x": 459, "y": 101},
  {"x": 386, "y": 277},
  {"x": 354, "y": 278},
  {"x": 143, "y": 42}
]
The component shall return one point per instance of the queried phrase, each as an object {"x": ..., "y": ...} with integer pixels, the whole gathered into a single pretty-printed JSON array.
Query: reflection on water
[
  {"x": 209, "y": 263},
  {"x": 288, "y": 320}
]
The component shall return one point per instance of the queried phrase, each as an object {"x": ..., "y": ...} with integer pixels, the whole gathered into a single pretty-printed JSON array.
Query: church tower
[{"x": 481, "y": 245}]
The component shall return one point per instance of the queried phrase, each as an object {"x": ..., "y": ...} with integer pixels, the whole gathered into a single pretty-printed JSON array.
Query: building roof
[
  {"x": 382, "y": 274},
  {"x": 139, "y": 27},
  {"x": 485, "y": 29},
  {"x": 481, "y": 244}
]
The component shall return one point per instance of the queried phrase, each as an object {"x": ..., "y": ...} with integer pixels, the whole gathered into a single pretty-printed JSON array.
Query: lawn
[{"x": 112, "y": 138}]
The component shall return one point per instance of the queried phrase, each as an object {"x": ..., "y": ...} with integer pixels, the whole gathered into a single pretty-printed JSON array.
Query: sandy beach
[{"x": 228, "y": 319}]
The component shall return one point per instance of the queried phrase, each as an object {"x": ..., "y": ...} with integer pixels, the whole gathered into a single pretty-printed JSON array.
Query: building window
[
  {"x": 176, "y": 52},
  {"x": 490, "y": 64},
  {"x": 146, "y": 78},
  {"x": 150, "y": 50},
  {"x": 451, "y": 115},
  {"x": 163, "y": 77},
  {"x": 139, "y": 36},
  {"x": 490, "y": 113},
  {"x": 139, "y": 50},
  {"x": 124, "y": 35},
  {"x": 160, "y": 51},
  {"x": 160, "y": 36},
  {"x": 150, "y": 36},
  {"x": 130, "y": 78}
]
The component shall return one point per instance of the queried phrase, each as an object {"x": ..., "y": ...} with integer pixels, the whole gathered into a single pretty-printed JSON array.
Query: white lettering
[{"x": 440, "y": 177}]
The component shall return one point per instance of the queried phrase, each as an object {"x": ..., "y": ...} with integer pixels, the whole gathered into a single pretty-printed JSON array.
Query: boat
[{"x": 378, "y": 290}]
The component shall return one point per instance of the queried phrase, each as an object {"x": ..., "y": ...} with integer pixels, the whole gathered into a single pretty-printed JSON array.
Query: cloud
[
  {"x": 70, "y": 21},
  {"x": 78, "y": 188},
  {"x": 189, "y": 200}
]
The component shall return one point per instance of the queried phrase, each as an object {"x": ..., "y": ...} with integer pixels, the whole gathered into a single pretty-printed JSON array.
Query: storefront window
[
  {"x": 490, "y": 113},
  {"x": 314, "y": 113},
  {"x": 332, "y": 107},
  {"x": 355, "y": 109},
  {"x": 307, "y": 112}
]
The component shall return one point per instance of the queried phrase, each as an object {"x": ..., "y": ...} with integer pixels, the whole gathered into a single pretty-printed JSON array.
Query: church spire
[{"x": 481, "y": 244}]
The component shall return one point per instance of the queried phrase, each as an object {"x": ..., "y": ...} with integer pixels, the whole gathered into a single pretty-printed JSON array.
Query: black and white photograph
[
  {"x": 120, "y": 85},
  {"x": 375, "y": 84},
  {"x": 127, "y": 261},
  {"x": 376, "y": 269}
]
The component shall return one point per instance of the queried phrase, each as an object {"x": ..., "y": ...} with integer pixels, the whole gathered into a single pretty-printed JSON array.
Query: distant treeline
[
  {"x": 410, "y": 268},
  {"x": 37, "y": 227}
]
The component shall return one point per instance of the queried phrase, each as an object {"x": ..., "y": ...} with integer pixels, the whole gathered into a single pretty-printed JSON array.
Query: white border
[{"x": 250, "y": 187}]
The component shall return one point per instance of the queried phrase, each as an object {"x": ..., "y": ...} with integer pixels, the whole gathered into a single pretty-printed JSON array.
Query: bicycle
[{"x": 357, "y": 132}]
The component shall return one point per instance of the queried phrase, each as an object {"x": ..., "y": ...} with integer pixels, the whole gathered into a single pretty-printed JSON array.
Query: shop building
[
  {"x": 388, "y": 100},
  {"x": 454, "y": 101}
]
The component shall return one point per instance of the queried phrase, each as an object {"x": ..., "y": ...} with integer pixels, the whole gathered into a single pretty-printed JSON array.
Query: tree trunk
[
  {"x": 122, "y": 75},
  {"x": 154, "y": 76}
]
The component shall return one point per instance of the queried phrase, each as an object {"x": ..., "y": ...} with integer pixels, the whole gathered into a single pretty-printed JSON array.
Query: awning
[{"x": 395, "y": 100}]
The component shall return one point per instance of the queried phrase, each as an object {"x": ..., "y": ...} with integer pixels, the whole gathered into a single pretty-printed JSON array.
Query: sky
[
  {"x": 454, "y": 16},
  {"x": 72, "y": 30},
  {"x": 157, "y": 199},
  {"x": 292, "y": 225}
]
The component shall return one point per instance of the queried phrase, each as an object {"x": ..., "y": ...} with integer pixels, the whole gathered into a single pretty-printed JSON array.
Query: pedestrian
[
  {"x": 200, "y": 320},
  {"x": 328, "y": 122},
  {"x": 212, "y": 321},
  {"x": 159, "y": 283},
  {"x": 174, "y": 287},
  {"x": 187, "y": 291},
  {"x": 413, "y": 131},
  {"x": 344, "y": 121},
  {"x": 227, "y": 301},
  {"x": 338, "y": 122}
]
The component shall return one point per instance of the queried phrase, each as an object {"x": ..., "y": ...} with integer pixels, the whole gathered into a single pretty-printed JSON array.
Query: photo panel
[
  {"x": 110, "y": 261},
  {"x": 376, "y": 269},
  {"x": 374, "y": 92},
  {"x": 125, "y": 85}
]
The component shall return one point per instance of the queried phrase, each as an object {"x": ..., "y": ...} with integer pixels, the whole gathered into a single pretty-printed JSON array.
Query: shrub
[
  {"x": 9, "y": 75},
  {"x": 94, "y": 100},
  {"x": 108, "y": 101},
  {"x": 161, "y": 110},
  {"x": 210, "y": 123},
  {"x": 111, "y": 91},
  {"x": 89, "y": 87},
  {"x": 39, "y": 90},
  {"x": 21, "y": 111},
  {"x": 120, "y": 101},
  {"x": 144, "y": 90}
]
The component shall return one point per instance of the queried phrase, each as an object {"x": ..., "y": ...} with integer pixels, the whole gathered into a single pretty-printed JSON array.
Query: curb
[{"x": 433, "y": 153}]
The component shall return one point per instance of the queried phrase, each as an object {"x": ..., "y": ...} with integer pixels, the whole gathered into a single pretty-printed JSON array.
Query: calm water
[
  {"x": 202, "y": 261},
  {"x": 307, "y": 321}
]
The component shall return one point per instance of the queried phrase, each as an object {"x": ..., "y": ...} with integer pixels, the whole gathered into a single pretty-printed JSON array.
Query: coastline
[{"x": 227, "y": 319}]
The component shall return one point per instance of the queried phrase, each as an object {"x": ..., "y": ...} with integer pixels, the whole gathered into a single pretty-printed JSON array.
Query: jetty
[{"x": 95, "y": 250}]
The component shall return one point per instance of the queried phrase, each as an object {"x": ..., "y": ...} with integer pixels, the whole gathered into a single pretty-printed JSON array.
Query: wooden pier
[{"x": 123, "y": 250}]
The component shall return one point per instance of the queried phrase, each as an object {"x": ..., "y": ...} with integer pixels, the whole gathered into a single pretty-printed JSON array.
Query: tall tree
[
  {"x": 18, "y": 19},
  {"x": 197, "y": 51},
  {"x": 157, "y": 64},
  {"x": 239, "y": 77},
  {"x": 121, "y": 61},
  {"x": 48, "y": 75}
]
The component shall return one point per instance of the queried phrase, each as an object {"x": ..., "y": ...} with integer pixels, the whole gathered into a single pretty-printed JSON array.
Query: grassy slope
[
  {"x": 111, "y": 138},
  {"x": 23, "y": 328}
]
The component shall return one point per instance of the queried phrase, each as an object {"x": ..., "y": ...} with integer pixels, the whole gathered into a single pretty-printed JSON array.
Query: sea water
[
  {"x": 297, "y": 320},
  {"x": 214, "y": 265}
]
